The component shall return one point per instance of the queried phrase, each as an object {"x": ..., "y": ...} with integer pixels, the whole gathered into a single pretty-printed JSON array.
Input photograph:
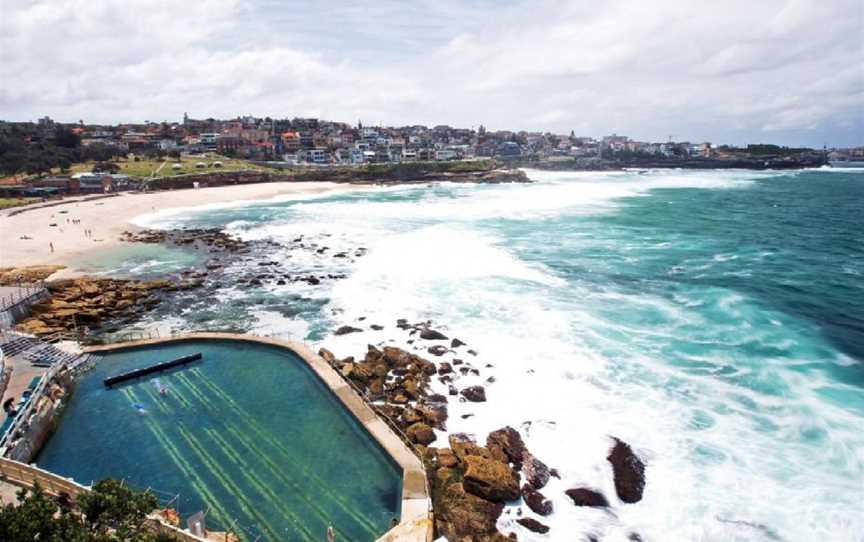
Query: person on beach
[{"x": 51, "y": 246}]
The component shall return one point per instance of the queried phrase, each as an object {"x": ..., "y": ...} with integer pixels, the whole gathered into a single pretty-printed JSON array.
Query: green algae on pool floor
[{"x": 249, "y": 434}]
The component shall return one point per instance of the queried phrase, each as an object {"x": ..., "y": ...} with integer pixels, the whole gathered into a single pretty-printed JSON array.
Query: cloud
[{"x": 732, "y": 71}]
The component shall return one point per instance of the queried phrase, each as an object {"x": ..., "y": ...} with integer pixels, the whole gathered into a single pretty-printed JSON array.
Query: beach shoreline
[{"x": 48, "y": 235}]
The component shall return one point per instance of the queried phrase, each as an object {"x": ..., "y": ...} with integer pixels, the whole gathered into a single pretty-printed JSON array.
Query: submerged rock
[
  {"x": 536, "y": 501},
  {"x": 344, "y": 330},
  {"x": 437, "y": 350},
  {"x": 533, "y": 525},
  {"x": 587, "y": 497},
  {"x": 629, "y": 472}
]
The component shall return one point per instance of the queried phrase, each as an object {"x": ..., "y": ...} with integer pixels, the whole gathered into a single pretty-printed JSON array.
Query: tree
[
  {"x": 112, "y": 506},
  {"x": 64, "y": 137},
  {"x": 36, "y": 517},
  {"x": 110, "y": 512}
]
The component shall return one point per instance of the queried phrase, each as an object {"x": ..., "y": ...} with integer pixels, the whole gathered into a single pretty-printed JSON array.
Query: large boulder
[
  {"x": 425, "y": 366},
  {"x": 421, "y": 433},
  {"x": 395, "y": 357},
  {"x": 461, "y": 516},
  {"x": 587, "y": 497},
  {"x": 436, "y": 415},
  {"x": 536, "y": 472},
  {"x": 327, "y": 356},
  {"x": 629, "y": 472},
  {"x": 490, "y": 479},
  {"x": 506, "y": 445},
  {"x": 463, "y": 445},
  {"x": 446, "y": 458},
  {"x": 432, "y": 335},
  {"x": 475, "y": 394},
  {"x": 344, "y": 330},
  {"x": 359, "y": 372}
]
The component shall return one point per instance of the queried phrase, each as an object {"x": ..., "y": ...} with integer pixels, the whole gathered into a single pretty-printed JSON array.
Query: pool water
[{"x": 249, "y": 435}]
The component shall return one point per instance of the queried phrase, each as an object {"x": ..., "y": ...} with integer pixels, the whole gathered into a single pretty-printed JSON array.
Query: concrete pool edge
[{"x": 415, "y": 511}]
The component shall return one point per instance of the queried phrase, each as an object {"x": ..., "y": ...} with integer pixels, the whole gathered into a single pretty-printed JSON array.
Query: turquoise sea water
[
  {"x": 713, "y": 319},
  {"x": 138, "y": 260},
  {"x": 248, "y": 434}
]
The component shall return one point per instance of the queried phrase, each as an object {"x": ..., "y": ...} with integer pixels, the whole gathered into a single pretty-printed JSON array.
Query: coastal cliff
[{"x": 481, "y": 172}]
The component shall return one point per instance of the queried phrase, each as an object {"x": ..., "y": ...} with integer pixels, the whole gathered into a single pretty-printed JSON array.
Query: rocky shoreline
[
  {"x": 91, "y": 306},
  {"x": 471, "y": 483},
  {"x": 408, "y": 173}
]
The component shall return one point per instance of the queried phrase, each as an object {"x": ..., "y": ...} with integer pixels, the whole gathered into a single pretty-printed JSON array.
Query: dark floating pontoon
[{"x": 144, "y": 371}]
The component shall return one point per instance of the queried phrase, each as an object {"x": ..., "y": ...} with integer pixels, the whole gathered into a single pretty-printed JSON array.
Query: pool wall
[{"x": 415, "y": 511}]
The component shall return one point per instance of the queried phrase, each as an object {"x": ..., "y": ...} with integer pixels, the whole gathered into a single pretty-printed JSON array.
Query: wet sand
[{"x": 26, "y": 238}]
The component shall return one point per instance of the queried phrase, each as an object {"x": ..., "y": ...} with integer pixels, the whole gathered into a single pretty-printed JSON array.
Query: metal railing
[
  {"x": 29, "y": 406},
  {"x": 3, "y": 382},
  {"x": 59, "y": 336},
  {"x": 26, "y": 292}
]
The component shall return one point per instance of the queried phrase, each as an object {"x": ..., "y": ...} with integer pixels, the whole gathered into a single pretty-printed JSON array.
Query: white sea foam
[{"x": 273, "y": 323}]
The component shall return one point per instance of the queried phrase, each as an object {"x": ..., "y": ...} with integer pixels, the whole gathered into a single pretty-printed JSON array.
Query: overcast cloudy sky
[{"x": 790, "y": 72}]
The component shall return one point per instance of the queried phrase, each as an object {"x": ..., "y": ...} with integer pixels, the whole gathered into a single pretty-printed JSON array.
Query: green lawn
[
  {"x": 6, "y": 203},
  {"x": 144, "y": 167}
]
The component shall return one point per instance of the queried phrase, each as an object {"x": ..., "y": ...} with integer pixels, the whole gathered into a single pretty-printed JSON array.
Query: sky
[{"x": 789, "y": 72}]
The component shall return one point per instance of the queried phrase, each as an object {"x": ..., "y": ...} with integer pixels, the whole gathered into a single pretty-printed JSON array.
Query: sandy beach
[{"x": 27, "y": 237}]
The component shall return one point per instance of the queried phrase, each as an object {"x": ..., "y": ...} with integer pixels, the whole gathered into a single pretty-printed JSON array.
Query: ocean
[{"x": 714, "y": 320}]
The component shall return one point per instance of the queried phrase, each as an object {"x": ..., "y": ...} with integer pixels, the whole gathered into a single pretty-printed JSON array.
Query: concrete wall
[{"x": 415, "y": 523}]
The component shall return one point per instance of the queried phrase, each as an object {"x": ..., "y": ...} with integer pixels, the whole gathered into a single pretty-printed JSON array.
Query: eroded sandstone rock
[{"x": 490, "y": 479}]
